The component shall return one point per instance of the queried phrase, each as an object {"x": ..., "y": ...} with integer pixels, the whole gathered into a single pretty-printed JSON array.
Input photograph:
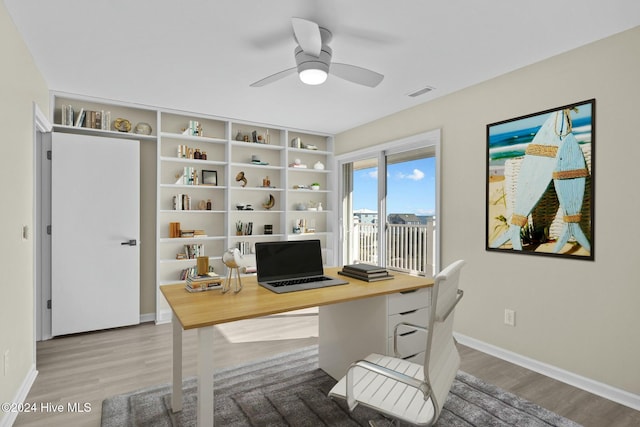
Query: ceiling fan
[{"x": 313, "y": 59}]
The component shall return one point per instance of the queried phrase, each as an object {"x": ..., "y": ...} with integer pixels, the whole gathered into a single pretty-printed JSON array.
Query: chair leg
[{"x": 384, "y": 423}]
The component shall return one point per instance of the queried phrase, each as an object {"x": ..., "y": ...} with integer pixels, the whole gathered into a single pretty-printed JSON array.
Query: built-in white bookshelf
[{"x": 274, "y": 201}]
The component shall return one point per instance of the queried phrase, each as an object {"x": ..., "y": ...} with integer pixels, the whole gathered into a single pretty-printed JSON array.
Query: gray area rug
[{"x": 290, "y": 390}]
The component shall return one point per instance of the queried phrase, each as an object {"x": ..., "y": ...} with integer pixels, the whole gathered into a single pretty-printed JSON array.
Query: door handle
[{"x": 132, "y": 242}]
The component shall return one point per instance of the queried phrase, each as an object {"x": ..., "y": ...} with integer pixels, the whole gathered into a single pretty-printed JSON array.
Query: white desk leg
[
  {"x": 205, "y": 376},
  {"x": 176, "y": 395}
]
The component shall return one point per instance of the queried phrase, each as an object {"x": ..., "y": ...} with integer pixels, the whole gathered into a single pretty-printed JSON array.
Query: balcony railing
[{"x": 409, "y": 248}]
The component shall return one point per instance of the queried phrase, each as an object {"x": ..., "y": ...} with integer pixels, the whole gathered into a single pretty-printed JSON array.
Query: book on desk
[
  {"x": 204, "y": 282},
  {"x": 366, "y": 272}
]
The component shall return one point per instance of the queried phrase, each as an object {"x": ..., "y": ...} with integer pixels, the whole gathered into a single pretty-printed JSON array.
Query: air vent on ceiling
[{"x": 419, "y": 92}]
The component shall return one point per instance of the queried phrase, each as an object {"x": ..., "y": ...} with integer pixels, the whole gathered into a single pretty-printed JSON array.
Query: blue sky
[{"x": 410, "y": 187}]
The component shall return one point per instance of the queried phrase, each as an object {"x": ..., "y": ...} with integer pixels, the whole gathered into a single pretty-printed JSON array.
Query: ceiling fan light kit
[
  {"x": 313, "y": 70},
  {"x": 313, "y": 59},
  {"x": 313, "y": 76}
]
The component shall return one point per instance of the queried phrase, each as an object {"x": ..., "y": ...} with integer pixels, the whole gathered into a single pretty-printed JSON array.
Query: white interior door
[{"x": 95, "y": 217}]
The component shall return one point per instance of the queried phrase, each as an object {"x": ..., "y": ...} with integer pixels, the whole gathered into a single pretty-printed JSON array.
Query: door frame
[
  {"x": 42, "y": 129},
  {"x": 421, "y": 140}
]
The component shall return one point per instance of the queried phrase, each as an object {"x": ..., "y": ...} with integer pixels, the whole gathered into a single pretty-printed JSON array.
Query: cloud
[
  {"x": 373, "y": 173},
  {"x": 416, "y": 175}
]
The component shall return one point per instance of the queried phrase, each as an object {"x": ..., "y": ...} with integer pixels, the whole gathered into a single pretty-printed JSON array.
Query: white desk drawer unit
[
  {"x": 354, "y": 329},
  {"x": 409, "y": 307}
]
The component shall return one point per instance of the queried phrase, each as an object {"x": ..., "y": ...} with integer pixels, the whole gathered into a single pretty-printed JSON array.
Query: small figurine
[{"x": 240, "y": 178}]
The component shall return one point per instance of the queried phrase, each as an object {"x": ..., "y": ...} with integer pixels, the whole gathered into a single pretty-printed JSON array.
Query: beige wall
[
  {"x": 148, "y": 208},
  {"x": 20, "y": 85},
  {"x": 580, "y": 316}
]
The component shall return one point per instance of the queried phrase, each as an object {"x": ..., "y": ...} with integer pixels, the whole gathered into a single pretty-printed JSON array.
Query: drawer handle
[
  {"x": 408, "y": 292},
  {"x": 407, "y": 312},
  {"x": 408, "y": 333}
]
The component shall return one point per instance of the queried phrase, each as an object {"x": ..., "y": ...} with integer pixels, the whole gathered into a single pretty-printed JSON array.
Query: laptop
[{"x": 292, "y": 266}]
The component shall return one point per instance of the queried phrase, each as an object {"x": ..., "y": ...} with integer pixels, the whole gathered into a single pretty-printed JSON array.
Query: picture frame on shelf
[{"x": 209, "y": 177}]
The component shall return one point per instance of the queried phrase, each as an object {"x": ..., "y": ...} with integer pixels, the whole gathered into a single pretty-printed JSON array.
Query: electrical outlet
[
  {"x": 6, "y": 363},
  {"x": 509, "y": 317}
]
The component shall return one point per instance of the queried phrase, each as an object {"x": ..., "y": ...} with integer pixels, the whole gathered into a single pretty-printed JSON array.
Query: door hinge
[
  {"x": 48, "y": 154},
  {"x": 49, "y": 230},
  {"x": 49, "y": 304}
]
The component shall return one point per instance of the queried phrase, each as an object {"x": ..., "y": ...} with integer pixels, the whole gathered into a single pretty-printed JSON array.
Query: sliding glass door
[
  {"x": 360, "y": 211},
  {"x": 411, "y": 211},
  {"x": 389, "y": 207}
]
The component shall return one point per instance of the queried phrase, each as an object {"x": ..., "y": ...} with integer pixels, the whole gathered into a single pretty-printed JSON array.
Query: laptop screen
[{"x": 288, "y": 260}]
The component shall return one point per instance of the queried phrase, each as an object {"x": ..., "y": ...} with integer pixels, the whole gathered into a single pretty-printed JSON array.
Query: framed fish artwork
[{"x": 540, "y": 183}]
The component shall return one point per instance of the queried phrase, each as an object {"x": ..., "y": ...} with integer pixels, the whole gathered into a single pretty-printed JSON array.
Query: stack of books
[
  {"x": 205, "y": 282},
  {"x": 192, "y": 233},
  {"x": 366, "y": 272}
]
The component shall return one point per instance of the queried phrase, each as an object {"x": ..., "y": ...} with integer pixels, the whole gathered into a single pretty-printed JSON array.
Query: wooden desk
[{"x": 204, "y": 310}]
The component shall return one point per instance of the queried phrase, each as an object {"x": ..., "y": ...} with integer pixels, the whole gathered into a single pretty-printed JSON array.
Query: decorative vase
[{"x": 143, "y": 128}]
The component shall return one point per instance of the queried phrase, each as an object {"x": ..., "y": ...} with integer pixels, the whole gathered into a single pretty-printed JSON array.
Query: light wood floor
[{"x": 87, "y": 368}]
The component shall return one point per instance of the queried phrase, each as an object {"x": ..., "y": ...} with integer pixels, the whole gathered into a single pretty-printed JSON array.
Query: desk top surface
[{"x": 200, "y": 309}]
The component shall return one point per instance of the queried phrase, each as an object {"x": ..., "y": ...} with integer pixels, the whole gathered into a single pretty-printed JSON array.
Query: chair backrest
[{"x": 441, "y": 357}]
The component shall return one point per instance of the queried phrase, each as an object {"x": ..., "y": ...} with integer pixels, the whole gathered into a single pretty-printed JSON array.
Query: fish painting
[
  {"x": 569, "y": 180},
  {"x": 536, "y": 172}
]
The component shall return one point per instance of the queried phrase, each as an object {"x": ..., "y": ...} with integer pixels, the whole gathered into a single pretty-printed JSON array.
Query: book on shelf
[
  {"x": 96, "y": 120},
  {"x": 174, "y": 229},
  {"x": 85, "y": 118},
  {"x": 181, "y": 202},
  {"x": 194, "y": 250},
  {"x": 192, "y": 233},
  {"x": 67, "y": 115},
  {"x": 80, "y": 118},
  {"x": 90, "y": 121},
  {"x": 190, "y": 176},
  {"x": 365, "y": 278}
]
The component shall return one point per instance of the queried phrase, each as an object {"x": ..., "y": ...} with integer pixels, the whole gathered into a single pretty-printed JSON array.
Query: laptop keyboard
[{"x": 298, "y": 281}]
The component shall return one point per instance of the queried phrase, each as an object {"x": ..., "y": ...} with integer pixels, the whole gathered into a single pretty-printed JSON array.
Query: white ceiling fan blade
[
  {"x": 274, "y": 77},
  {"x": 308, "y": 36},
  {"x": 356, "y": 74}
]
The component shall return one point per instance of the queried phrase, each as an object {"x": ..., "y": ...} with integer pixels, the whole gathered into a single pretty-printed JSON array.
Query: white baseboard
[
  {"x": 603, "y": 390},
  {"x": 147, "y": 317},
  {"x": 21, "y": 396},
  {"x": 165, "y": 317}
]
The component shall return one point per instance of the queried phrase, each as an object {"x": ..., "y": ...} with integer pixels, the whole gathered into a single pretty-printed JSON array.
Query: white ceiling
[{"x": 201, "y": 55}]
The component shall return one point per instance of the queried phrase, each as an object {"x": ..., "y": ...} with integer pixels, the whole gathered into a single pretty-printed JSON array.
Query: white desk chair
[{"x": 403, "y": 390}]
